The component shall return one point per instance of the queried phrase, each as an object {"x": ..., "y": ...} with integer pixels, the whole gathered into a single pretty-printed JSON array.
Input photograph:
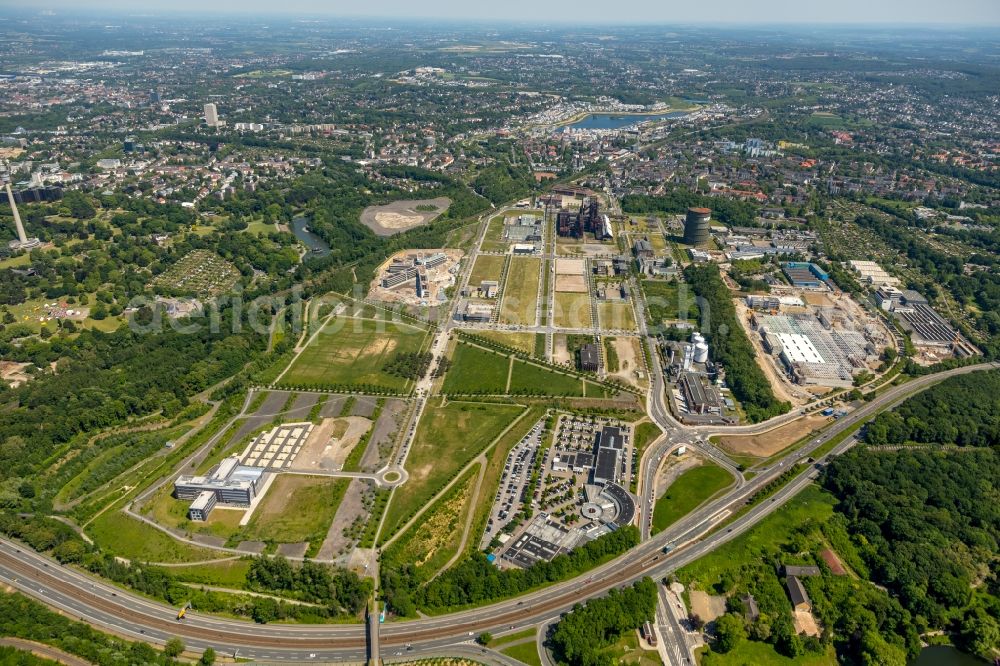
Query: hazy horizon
[{"x": 969, "y": 13}]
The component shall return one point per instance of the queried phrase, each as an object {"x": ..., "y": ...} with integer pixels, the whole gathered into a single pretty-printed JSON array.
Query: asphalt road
[{"x": 130, "y": 615}]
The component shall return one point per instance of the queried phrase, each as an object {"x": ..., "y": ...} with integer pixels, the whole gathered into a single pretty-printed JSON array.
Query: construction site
[
  {"x": 812, "y": 341},
  {"x": 416, "y": 277}
]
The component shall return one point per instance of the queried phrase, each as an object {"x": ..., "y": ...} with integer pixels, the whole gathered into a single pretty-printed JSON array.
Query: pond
[
  {"x": 945, "y": 655},
  {"x": 317, "y": 246}
]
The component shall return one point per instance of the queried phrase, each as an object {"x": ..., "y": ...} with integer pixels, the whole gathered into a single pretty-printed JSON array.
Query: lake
[
  {"x": 610, "y": 121},
  {"x": 317, "y": 246},
  {"x": 945, "y": 655}
]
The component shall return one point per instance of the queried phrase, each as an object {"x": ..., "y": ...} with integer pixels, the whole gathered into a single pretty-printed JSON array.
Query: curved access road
[{"x": 112, "y": 609}]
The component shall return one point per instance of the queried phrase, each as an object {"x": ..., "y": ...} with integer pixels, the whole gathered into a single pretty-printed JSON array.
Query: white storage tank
[
  {"x": 700, "y": 353},
  {"x": 697, "y": 338}
]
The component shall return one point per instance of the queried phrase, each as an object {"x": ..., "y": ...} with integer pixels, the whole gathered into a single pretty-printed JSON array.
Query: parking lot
[{"x": 513, "y": 491}]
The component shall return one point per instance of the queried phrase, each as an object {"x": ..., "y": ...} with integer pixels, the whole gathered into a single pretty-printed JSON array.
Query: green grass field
[
  {"x": 666, "y": 301},
  {"x": 531, "y": 379},
  {"x": 526, "y": 653},
  {"x": 688, "y": 491},
  {"x": 352, "y": 352},
  {"x": 812, "y": 504},
  {"x": 296, "y": 509},
  {"x": 488, "y": 267},
  {"x": 493, "y": 240},
  {"x": 520, "y": 299},
  {"x": 225, "y": 574},
  {"x": 475, "y": 370},
  {"x": 616, "y": 316},
  {"x": 572, "y": 310},
  {"x": 447, "y": 438},
  {"x": 627, "y": 651},
  {"x": 127, "y": 537},
  {"x": 525, "y": 342}
]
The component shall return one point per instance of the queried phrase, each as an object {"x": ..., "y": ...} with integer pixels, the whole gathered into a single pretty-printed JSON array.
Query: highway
[{"x": 130, "y": 615}]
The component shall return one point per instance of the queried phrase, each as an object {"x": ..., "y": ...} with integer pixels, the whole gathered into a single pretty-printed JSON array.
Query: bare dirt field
[
  {"x": 336, "y": 544},
  {"x": 805, "y": 623},
  {"x": 383, "y": 435},
  {"x": 560, "y": 352},
  {"x": 629, "y": 360},
  {"x": 774, "y": 441},
  {"x": 571, "y": 266},
  {"x": 817, "y": 299},
  {"x": 706, "y": 606},
  {"x": 572, "y": 283},
  {"x": 392, "y": 218},
  {"x": 330, "y": 443}
]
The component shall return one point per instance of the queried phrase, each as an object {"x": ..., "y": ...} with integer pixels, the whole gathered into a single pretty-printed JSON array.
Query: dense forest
[
  {"x": 583, "y": 636},
  {"x": 475, "y": 580},
  {"x": 961, "y": 411},
  {"x": 926, "y": 526},
  {"x": 729, "y": 346}
]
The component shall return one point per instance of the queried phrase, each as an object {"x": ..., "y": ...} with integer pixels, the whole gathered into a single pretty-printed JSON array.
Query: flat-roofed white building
[{"x": 797, "y": 348}]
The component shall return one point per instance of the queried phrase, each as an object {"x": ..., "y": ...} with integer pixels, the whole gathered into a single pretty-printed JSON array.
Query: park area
[
  {"x": 669, "y": 302},
  {"x": 450, "y": 435},
  {"x": 350, "y": 352}
]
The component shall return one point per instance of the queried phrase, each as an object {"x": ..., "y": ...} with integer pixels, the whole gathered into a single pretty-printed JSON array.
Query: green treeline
[
  {"x": 926, "y": 525},
  {"x": 728, "y": 211},
  {"x": 962, "y": 410},
  {"x": 474, "y": 580},
  {"x": 730, "y": 347},
  {"x": 25, "y": 618},
  {"x": 582, "y": 636}
]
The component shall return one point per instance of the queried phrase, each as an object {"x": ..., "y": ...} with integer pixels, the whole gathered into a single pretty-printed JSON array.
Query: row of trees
[
  {"x": 730, "y": 347},
  {"x": 475, "y": 580}
]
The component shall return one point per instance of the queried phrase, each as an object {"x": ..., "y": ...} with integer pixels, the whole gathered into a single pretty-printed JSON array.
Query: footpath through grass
[
  {"x": 448, "y": 438},
  {"x": 687, "y": 492}
]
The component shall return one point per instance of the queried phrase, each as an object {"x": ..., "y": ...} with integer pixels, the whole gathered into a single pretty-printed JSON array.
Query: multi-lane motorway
[{"x": 119, "y": 611}]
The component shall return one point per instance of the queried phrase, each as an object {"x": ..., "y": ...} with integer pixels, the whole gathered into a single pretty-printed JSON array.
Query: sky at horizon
[{"x": 953, "y": 12}]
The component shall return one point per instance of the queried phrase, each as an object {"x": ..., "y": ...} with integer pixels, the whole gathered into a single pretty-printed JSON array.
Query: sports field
[
  {"x": 353, "y": 352},
  {"x": 572, "y": 310},
  {"x": 520, "y": 299}
]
